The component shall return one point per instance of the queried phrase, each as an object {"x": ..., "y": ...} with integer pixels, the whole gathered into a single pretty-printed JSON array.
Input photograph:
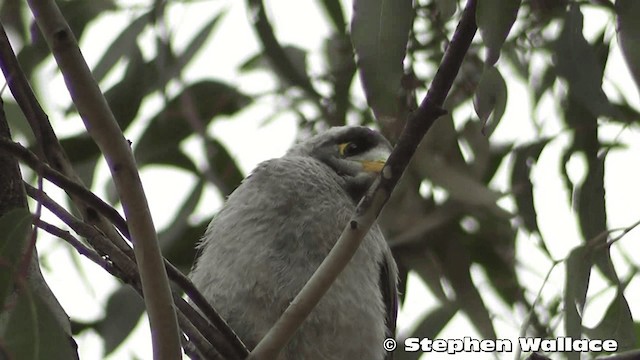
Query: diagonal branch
[
  {"x": 370, "y": 206},
  {"x": 222, "y": 329},
  {"x": 120, "y": 265},
  {"x": 48, "y": 146}
]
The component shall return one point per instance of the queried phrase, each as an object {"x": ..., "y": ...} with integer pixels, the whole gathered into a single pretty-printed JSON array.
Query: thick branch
[
  {"x": 370, "y": 206},
  {"x": 104, "y": 129}
]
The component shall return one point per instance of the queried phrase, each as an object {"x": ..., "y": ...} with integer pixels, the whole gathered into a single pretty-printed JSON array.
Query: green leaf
[
  {"x": 12, "y": 17},
  {"x": 180, "y": 220},
  {"x": 83, "y": 154},
  {"x": 490, "y": 98},
  {"x": 160, "y": 142},
  {"x": 18, "y": 122},
  {"x": 479, "y": 144},
  {"x": 122, "y": 314},
  {"x": 342, "y": 68},
  {"x": 333, "y": 8},
  {"x": 577, "y": 62},
  {"x": 296, "y": 57},
  {"x": 455, "y": 260},
  {"x": 628, "y": 12},
  {"x": 80, "y": 13},
  {"x": 276, "y": 53},
  {"x": 121, "y": 47},
  {"x": 578, "y": 273},
  {"x": 426, "y": 266},
  {"x": 521, "y": 185},
  {"x": 492, "y": 246},
  {"x": 446, "y": 8},
  {"x": 126, "y": 96},
  {"x": 495, "y": 18},
  {"x": 461, "y": 186},
  {"x": 433, "y": 323},
  {"x": 196, "y": 43},
  {"x": 181, "y": 251},
  {"x": 617, "y": 323},
  {"x": 543, "y": 83},
  {"x": 497, "y": 155},
  {"x": 380, "y": 32},
  {"x": 32, "y": 331},
  {"x": 227, "y": 172},
  {"x": 15, "y": 227},
  {"x": 430, "y": 326}
]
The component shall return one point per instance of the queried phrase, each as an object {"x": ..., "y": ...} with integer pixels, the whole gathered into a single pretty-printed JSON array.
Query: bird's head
[{"x": 355, "y": 153}]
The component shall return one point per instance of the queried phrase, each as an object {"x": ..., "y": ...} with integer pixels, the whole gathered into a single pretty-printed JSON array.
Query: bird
[{"x": 276, "y": 228}]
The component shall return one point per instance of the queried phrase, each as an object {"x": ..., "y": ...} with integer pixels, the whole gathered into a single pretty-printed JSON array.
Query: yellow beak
[{"x": 373, "y": 166}]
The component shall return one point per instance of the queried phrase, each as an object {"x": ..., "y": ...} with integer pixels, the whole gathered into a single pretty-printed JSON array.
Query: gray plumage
[{"x": 274, "y": 231}]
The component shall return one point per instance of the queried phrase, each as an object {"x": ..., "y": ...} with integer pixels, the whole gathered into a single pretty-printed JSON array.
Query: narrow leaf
[
  {"x": 578, "y": 273},
  {"x": 14, "y": 229},
  {"x": 628, "y": 12},
  {"x": 521, "y": 185},
  {"x": 160, "y": 141},
  {"x": 275, "y": 52},
  {"x": 576, "y": 61},
  {"x": 379, "y": 32},
  {"x": 121, "y": 46},
  {"x": 123, "y": 312},
  {"x": 33, "y": 333},
  {"x": 333, "y": 8},
  {"x": 490, "y": 98},
  {"x": 196, "y": 43},
  {"x": 617, "y": 323},
  {"x": 456, "y": 263},
  {"x": 495, "y": 18}
]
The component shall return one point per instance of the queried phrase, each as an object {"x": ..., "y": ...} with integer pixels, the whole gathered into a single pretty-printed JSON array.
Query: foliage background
[{"x": 508, "y": 202}]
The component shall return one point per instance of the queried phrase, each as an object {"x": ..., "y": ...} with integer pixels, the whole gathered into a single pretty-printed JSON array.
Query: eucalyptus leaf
[
  {"x": 577, "y": 62},
  {"x": 628, "y": 12},
  {"x": 490, "y": 99},
  {"x": 380, "y": 32},
  {"x": 15, "y": 226},
  {"x": 33, "y": 332},
  {"x": 495, "y": 19},
  {"x": 122, "y": 314}
]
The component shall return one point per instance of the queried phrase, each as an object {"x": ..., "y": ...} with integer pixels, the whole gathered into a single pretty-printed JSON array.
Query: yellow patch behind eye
[{"x": 341, "y": 148}]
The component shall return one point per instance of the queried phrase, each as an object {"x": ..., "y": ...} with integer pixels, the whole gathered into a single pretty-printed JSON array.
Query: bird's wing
[{"x": 388, "y": 281}]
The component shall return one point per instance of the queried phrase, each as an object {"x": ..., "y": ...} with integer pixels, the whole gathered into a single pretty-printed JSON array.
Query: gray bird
[{"x": 274, "y": 231}]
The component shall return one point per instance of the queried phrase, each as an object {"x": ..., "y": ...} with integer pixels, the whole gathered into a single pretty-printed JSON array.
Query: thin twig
[
  {"x": 48, "y": 146},
  {"x": 80, "y": 192},
  {"x": 96, "y": 239},
  {"x": 73, "y": 241},
  {"x": 370, "y": 206},
  {"x": 123, "y": 267},
  {"x": 70, "y": 186}
]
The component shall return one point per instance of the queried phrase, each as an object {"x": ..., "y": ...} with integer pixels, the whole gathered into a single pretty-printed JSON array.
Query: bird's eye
[{"x": 349, "y": 149}]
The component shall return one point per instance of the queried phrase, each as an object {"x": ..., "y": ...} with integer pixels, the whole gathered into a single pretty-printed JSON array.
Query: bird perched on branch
[{"x": 277, "y": 227}]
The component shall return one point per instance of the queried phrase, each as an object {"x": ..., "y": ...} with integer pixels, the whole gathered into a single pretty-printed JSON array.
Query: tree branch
[
  {"x": 73, "y": 241},
  {"x": 48, "y": 146},
  {"x": 372, "y": 203},
  {"x": 123, "y": 267},
  {"x": 221, "y": 328},
  {"x": 104, "y": 129}
]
